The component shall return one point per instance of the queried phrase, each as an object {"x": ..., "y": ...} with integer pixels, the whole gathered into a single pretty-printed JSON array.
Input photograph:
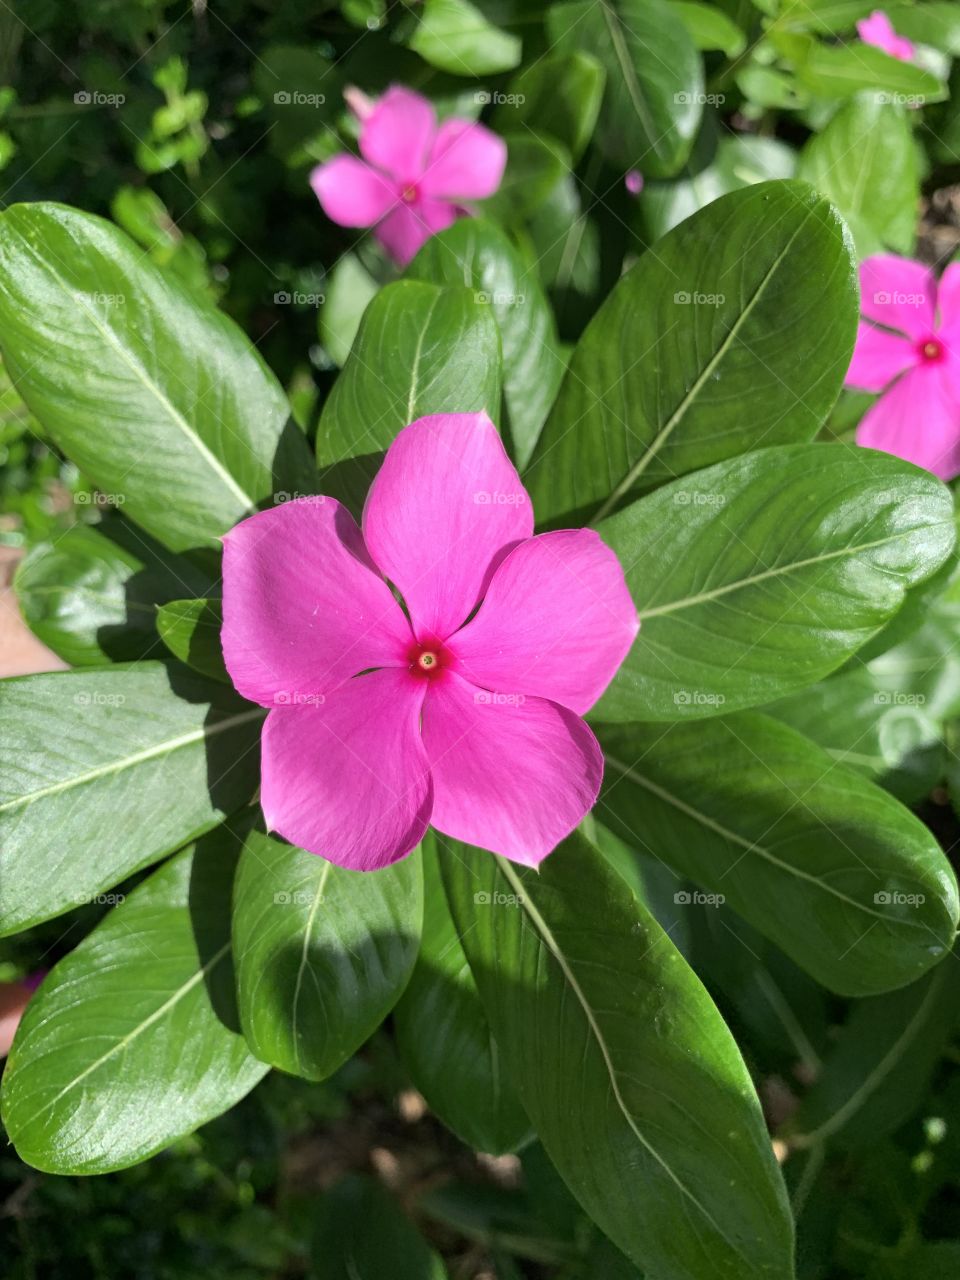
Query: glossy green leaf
[
  {"x": 619, "y": 1056},
  {"x": 838, "y": 71},
  {"x": 191, "y": 631},
  {"x": 829, "y": 17},
  {"x": 92, "y": 598},
  {"x": 105, "y": 771},
  {"x": 322, "y": 954},
  {"x": 559, "y": 94},
  {"x": 865, "y": 162},
  {"x": 842, "y": 877},
  {"x": 936, "y": 24},
  {"x": 881, "y": 1065},
  {"x": 160, "y": 400},
  {"x": 654, "y": 95},
  {"x": 710, "y": 28},
  {"x": 420, "y": 350},
  {"x": 361, "y": 1233},
  {"x": 133, "y": 1040},
  {"x": 734, "y": 332},
  {"x": 444, "y": 1037},
  {"x": 349, "y": 290},
  {"x": 536, "y": 163},
  {"x": 828, "y": 539},
  {"x": 478, "y": 254},
  {"x": 455, "y": 36}
]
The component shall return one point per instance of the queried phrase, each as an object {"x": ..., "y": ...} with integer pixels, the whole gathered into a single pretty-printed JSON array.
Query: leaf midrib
[
  {"x": 130, "y": 761},
  {"x": 305, "y": 960},
  {"x": 630, "y": 78},
  {"x": 522, "y": 890}
]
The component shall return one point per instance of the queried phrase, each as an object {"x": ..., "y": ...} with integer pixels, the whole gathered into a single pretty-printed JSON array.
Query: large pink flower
[
  {"x": 908, "y": 348},
  {"x": 878, "y": 30},
  {"x": 417, "y": 177},
  {"x": 382, "y": 720}
]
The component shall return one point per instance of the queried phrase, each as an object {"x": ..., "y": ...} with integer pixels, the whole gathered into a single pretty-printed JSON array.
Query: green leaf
[
  {"x": 478, "y": 254},
  {"x": 619, "y": 1056},
  {"x": 536, "y": 163},
  {"x": 455, "y": 36},
  {"x": 935, "y": 24},
  {"x": 132, "y": 1040},
  {"x": 159, "y": 399},
  {"x": 444, "y": 1037},
  {"x": 559, "y": 94},
  {"x": 881, "y": 1066},
  {"x": 322, "y": 954},
  {"x": 865, "y": 162},
  {"x": 837, "y": 71},
  {"x": 829, "y": 17},
  {"x": 360, "y": 1233},
  {"x": 710, "y": 28},
  {"x": 420, "y": 350},
  {"x": 349, "y": 290},
  {"x": 301, "y": 94},
  {"x": 837, "y": 872},
  {"x": 828, "y": 539},
  {"x": 736, "y": 331},
  {"x": 129, "y": 762},
  {"x": 92, "y": 598},
  {"x": 191, "y": 631},
  {"x": 654, "y": 96}
]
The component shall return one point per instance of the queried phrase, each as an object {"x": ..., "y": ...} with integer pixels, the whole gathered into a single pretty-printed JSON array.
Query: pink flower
[
  {"x": 633, "y": 181},
  {"x": 878, "y": 30},
  {"x": 914, "y": 360},
  {"x": 417, "y": 176},
  {"x": 384, "y": 720}
]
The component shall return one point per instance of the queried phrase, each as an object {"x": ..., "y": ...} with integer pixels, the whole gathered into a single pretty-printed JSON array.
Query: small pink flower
[
  {"x": 633, "y": 181},
  {"x": 417, "y": 177},
  {"x": 878, "y": 30},
  {"x": 463, "y": 710},
  {"x": 914, "y": 359}
]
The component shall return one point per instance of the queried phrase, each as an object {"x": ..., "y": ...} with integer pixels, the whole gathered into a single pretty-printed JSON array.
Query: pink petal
[
  {"x": 442, "y": 512},
  {"x": 303, "y": 607},
  {"x": 409, "y": 225},
  {"x": 557, "y": 620},
  {"x": 878, "y": 357},
  {"x": 514, "y": 776},
  {"x": 348, "y": 779},
  {"x": 351, "y": 193},
  {"x": 398, "y": 134},
  {"x": 948, "y": 307},
  {"x": 918, "y": 419},
  {"x": 467, "y": 162},
  {"x": 898, "y": 293},
  {"x": 878, "y": 30}
]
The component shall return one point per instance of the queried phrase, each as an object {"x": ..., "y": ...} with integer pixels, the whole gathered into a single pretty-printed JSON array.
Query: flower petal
[
  {"x": 467, "y": 162},
  {"x": 948, "y": 308},
  {"x": 398, "y": 134},
  {"x": 918, "y": 419},
  {"x": 303, "y": 607},
  {"x": 514, "y": 776},
  {"x": 556, "y": 621},
  {"x": 444, "y": 509},
  {"x": 409, "y": 225},
  {"x": 348, "y": 779},
  {"x": 351, "y": 193},
  {"x": 878, "y": 357},
  {"x": 879, "y": 31},
  {"x": 898, "y": 293}
]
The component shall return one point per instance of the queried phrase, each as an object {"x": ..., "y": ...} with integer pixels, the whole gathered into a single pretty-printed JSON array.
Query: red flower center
[
  {"x": 931, "y": 350},
  {"x": 428, "y": 658},
  {"x": 409, "y": 193}
]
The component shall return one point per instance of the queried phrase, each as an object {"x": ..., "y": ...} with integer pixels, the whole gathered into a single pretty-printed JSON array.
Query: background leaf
[
  {"x": 559, "y": 94},
  {"x": 191, "y": 631},
  {"x": 322, "y": 953},
  {"x": 455, "y": 36},
  {"x": 360, "y": 1229},
  {"x": 132, "y": 1041},
  {"x": 133, "y": 761}
]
